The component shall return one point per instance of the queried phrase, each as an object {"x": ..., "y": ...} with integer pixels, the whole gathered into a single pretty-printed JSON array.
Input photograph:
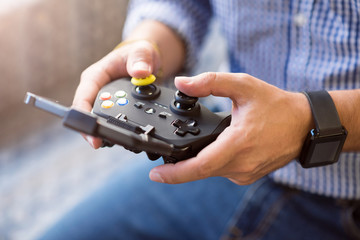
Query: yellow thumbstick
[{"x": 143, "y": 81}]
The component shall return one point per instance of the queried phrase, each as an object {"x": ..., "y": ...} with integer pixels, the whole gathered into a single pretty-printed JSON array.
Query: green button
[{"x": 120, "y": 94}]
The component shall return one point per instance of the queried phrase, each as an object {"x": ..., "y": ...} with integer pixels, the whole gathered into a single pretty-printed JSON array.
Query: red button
[{"x": 105, "y": 96}]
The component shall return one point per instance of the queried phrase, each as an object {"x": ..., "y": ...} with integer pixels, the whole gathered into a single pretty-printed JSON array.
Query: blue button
[{"x": 122, "y": 102}]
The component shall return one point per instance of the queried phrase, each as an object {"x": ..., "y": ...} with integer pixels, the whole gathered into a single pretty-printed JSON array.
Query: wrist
[
  {"x": 305, "y": 117},
  {"x": 323, "y": 143}
]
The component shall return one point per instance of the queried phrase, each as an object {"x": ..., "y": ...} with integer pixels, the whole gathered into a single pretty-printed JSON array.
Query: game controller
[{"x": 158, "y": 120}]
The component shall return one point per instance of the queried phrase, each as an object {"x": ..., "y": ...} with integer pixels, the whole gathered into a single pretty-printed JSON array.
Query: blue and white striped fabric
[{"x": 295, "y": 45}]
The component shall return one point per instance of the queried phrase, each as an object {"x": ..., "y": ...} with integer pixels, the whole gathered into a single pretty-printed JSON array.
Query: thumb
[
  {"x": 143, "y": 60},
  {"x": 213, "y": 83}
]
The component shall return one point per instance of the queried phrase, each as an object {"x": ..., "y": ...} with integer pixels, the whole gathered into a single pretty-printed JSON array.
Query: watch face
[
  {"x": 321, "y": 150},
  {"x": 324, "y": 152}
]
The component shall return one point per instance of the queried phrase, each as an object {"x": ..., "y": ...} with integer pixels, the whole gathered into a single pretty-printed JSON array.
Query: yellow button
[
  {"x": 107, "y": 104},
  {"x": 143, "y": 81}
]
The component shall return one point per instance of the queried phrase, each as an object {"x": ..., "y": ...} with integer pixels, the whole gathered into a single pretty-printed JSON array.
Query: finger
[
  {"x": 93, "y": 141},
  {"x": 142, "y": 60},
  {"x": 112, "y": 66},
  {"x": 214, "y": 83},
  {"x": 92, "y": 79},
  {"x": 208, "y": 163}
]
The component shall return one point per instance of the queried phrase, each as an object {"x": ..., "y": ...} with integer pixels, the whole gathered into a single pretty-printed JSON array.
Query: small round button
[
  {"x": 122, "y": 101},
  {"x": 105, "y": 96},
  {"x": 120, "y": 94},
  {"x": 107, "y": 104}
]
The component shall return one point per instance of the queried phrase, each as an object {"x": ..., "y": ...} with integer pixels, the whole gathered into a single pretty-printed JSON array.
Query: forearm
[
  {"x": 347, "y": 104},
  {"x": 171, "y": 46}
]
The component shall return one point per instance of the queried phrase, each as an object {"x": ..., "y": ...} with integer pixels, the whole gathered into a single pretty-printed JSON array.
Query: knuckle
[
  {"x": 243, "y": 75},
  {"x": 248, "y": 168},
  {"x": 143, "y": 47},
  {"x": 209, "y": 77}
]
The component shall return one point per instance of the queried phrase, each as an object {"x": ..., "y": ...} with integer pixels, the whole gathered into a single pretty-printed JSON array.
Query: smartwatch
[{"x": 324, "y": 143}]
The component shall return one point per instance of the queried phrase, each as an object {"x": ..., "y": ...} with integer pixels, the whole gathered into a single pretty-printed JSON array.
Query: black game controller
[{"x": 148, "y": 118}]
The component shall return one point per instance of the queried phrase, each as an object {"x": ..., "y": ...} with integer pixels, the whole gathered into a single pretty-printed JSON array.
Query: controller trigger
[
  {"x": 106, "y": 143},
  {"x": 169, "y": 160},
  {"x": 133, "y": 150},
  {"x": 153, "y": 156}
]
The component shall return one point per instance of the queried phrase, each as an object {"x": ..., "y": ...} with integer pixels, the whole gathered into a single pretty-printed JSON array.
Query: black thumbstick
[
  {"x": 146, "y": 92},
  {"x": 184, "y": 102}
]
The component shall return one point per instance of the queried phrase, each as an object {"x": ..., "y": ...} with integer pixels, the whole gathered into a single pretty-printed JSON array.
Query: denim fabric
[
  {"x": 272, "y": 211},
  {"x": 130, "y": 206}
]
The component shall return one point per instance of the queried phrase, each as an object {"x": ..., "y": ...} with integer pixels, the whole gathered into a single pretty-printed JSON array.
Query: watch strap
[{"x": 325, "y": 115}]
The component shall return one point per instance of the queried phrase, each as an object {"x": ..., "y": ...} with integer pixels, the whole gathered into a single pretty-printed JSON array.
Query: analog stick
[
  {"x": 184, "y": 102},
  {"x": 144, "y": 89}
]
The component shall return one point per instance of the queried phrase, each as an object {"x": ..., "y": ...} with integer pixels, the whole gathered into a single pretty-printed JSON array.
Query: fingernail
[
  {"x": 156, "y": 177},
  {"x": 141, "y": 66}
]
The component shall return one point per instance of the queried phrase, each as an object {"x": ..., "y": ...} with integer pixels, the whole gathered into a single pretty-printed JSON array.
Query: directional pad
[{"x": 189, "y": 126}]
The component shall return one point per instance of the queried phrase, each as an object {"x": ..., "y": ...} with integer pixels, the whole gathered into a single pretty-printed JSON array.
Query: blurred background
[{"x": 45, "y": 169}]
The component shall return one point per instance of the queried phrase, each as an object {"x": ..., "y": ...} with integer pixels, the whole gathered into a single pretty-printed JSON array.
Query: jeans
[{"x": 130, "y": 206}]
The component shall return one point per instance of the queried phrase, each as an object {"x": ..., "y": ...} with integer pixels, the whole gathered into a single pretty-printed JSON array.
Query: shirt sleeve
[{"x": 188, "y": 18}]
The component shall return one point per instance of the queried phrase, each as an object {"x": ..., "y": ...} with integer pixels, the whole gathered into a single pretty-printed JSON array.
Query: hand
[
  {"x": 267, "y": 130},
  {"x": 137, "y": 58}
]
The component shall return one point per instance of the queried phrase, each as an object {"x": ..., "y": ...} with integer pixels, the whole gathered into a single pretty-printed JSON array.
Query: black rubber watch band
[
  {"x": 323, "y": 144},
  {"x": 325, "y": 115}
]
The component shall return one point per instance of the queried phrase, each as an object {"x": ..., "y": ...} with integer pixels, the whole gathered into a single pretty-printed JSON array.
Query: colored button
[
  {"x": 122, "y": 101},
  {"x": 105, "y": 96},
  {"x": 120, "y": 94},
  {"x": 107, "y": 104}
]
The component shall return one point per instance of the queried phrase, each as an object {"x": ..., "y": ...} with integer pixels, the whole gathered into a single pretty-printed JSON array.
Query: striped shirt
[{"x": 294, "y": 45}]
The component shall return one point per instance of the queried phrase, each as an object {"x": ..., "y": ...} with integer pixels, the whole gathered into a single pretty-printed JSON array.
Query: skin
[{"x": 268, "y": 127}]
